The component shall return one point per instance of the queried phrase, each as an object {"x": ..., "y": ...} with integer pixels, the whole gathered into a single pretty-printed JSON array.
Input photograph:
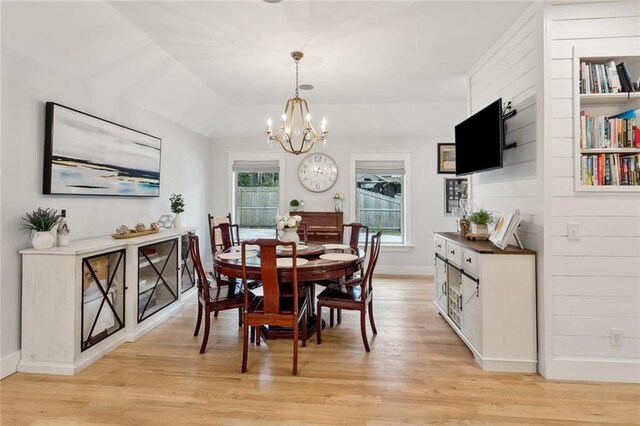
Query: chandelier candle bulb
[{"x": 324, "y": 125}]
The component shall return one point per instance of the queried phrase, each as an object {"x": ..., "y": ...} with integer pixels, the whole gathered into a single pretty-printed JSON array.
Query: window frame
[
  {"x": 253, "y": 156},
  {"x": 405, "y": 157}
]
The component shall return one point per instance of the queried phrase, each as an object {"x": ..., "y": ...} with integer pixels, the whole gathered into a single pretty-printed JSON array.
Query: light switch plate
[{"x": 573, "y": 230}]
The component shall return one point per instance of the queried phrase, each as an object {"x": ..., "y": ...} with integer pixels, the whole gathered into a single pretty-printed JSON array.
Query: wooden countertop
[{"x": 481, "y": 246}]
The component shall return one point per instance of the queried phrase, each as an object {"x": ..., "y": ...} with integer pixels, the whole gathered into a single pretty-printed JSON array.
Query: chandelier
[{"x": 296, "y": 133}]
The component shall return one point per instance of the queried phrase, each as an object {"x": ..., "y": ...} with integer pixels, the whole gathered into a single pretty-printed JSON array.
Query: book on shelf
[
  {"x": 607, "y": 77},
  {"x": 625, "y": 77},
  {"x": 617, "y": 131},
  {"x": 610, "y": 169}
]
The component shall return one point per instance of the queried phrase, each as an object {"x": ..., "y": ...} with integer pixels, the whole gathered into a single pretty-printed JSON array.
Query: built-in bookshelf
[{"x": 606, "y": 119}]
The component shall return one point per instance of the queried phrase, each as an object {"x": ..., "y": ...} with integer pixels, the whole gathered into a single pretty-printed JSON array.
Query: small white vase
[
  {"x": 289, "y": 234},
  {"x": 177, "y": 221},
  {"x": 338, "y": 205},
  {"x": 42, "y": 240}
]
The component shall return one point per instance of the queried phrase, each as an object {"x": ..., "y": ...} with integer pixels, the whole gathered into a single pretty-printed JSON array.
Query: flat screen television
[{"x": 480, "y": 141}]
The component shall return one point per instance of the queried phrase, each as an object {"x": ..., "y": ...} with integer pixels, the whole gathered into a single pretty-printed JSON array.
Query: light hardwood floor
[{"x": 418, "y": 372}]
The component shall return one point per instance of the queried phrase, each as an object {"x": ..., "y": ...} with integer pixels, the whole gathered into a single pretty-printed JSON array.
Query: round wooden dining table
[
  {"x": 315, "y": 269},
  {"x": 229, "y": 263}
]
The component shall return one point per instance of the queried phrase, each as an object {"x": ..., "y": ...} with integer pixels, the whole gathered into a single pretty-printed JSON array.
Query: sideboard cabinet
[
  {"x": 322, "y": 227},
  {"x": 488, "y": 296},
  {"x": 81, "y": 301}
]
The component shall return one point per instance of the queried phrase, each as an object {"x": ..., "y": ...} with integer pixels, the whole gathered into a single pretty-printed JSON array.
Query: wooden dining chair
[
  {"x": 213, "y": 298},
  {"x": 217, "y": 236},
  {"x": 354, "y": 230},
  {"x": 355, "y": 295},
  {"x": 276, "y": 307}
]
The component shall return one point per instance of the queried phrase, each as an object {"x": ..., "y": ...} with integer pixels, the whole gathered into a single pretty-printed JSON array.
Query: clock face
[{"x": 318, "y": 172}]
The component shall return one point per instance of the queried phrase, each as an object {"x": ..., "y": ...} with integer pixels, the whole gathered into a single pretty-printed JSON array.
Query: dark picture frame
[
  {"x": 88, "y": 155},
  {"x": 454, "y": 189},
  {"x": 446, "y": 158}
]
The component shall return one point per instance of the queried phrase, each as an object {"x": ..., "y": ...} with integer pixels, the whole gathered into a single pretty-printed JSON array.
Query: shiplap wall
[
  {"x": 512, "y": 70},
  {"x": 594, "y": 282},
  {"x": 509, "y": 71}
]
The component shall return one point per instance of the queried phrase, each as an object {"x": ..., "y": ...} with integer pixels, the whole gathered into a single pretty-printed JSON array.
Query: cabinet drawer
[
  {"x": 454, "y": 254},
  {"x": 440, "y": 246},
  {"x": 470, "y": 261}
]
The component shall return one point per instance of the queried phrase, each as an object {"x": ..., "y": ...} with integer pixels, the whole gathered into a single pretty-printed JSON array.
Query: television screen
[{"x": 479, "y": 141}]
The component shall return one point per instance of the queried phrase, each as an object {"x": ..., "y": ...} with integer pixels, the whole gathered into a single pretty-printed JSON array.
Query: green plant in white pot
[
  {"x": 294, "y": 204},
  {"x": 177, "y": 207},
  {"x": 38, "y": 224},
  {"x": 480, "y": 221}
]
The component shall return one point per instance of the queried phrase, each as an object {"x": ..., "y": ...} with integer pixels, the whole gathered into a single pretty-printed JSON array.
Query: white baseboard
[
  {"x": 593, "y": 369},
  {"x": 404, "y": 270},
  {"x": 9, "y": 364}
]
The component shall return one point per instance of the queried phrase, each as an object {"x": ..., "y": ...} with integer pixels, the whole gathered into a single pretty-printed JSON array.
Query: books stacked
[
  {"x": 610, "y": 169},
  {"x": 605, "y": 78},
  {"x": 618, "y": 131},
  {"x": 505, "y": 229}
]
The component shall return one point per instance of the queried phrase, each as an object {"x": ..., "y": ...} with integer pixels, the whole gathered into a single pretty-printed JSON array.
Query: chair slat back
[
  {"x": 269, "y": 273},
  {"x": 215, "y": 232},
  {"x": 367, "y": 278},
  {"x": 201, "y": 277},
  {"x": 354, "y": 236}
]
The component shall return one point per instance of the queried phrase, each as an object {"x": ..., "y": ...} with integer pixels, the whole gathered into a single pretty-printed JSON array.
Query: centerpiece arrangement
[{"x": 287, "y": 227}]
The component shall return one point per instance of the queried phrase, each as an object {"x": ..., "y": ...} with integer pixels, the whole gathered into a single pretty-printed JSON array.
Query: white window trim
[
  {"x": 253, "y": 156},
  {"x": 377, "y": 156}
]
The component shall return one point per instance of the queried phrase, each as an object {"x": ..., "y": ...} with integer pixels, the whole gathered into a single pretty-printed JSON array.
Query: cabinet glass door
[
  {"x": 102, "y": 297},
  {"x": 187, "y": 271},
  {"x": 157, "y": 277}
]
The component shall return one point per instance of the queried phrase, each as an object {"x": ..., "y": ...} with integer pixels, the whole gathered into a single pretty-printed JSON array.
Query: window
[
  {"x": 255, "y": 196},
  {"x": 380, "y": 195}
]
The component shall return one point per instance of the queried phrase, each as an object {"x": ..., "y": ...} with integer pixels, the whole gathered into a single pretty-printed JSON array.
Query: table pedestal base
[{"x": 275, "y": 332}]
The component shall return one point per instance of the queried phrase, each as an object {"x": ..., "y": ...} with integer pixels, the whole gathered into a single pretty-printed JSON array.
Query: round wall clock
[{"x": 318, "y": 172}]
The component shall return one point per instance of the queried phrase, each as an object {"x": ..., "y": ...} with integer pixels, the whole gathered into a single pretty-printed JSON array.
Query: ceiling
[{"x": 189, "y": 61}]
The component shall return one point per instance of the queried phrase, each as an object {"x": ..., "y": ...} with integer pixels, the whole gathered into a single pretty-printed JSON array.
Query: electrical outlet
[
  {"x": 573, "y": 231},
  {"x": 615, "y": 337}
]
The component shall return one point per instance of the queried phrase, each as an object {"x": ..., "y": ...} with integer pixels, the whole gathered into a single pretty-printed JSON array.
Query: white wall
[
  {"x": 594, "y": 282},
  {"x": 512, "y": 70},
  {"x": 26, "y": 86},
  {"x": 437, "y": 122}
]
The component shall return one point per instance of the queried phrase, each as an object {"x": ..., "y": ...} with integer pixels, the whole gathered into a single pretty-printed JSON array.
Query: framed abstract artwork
[
  {"x": 446, "y": 158},
  {"x": 87, "y": 155}
]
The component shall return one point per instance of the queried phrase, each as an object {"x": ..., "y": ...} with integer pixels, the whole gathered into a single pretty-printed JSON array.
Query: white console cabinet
[
  {"x": 81, "y": 301},
  {"x": 488, "y": 296}
]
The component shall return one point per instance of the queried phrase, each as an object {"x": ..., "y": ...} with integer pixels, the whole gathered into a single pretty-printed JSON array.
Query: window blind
[
  {"x": 246, "y": 166},
  {"x": 395, "y": 167}
]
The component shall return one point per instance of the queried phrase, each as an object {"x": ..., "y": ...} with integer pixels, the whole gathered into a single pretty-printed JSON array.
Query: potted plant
[
  {"x": 294, "y": 204},
  {"x": 480, "y": 221},
  {"x": 177, "y": 207},
  {"x": 38, "y": 224}
]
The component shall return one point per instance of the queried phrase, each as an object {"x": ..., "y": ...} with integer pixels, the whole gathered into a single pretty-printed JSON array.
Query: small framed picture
[
  {"x": 446, "y": 158},
  {"x": 454, "y": 189}
]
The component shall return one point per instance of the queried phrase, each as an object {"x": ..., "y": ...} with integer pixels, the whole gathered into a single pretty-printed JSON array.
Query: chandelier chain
[{"x": 297, "y": 62}]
